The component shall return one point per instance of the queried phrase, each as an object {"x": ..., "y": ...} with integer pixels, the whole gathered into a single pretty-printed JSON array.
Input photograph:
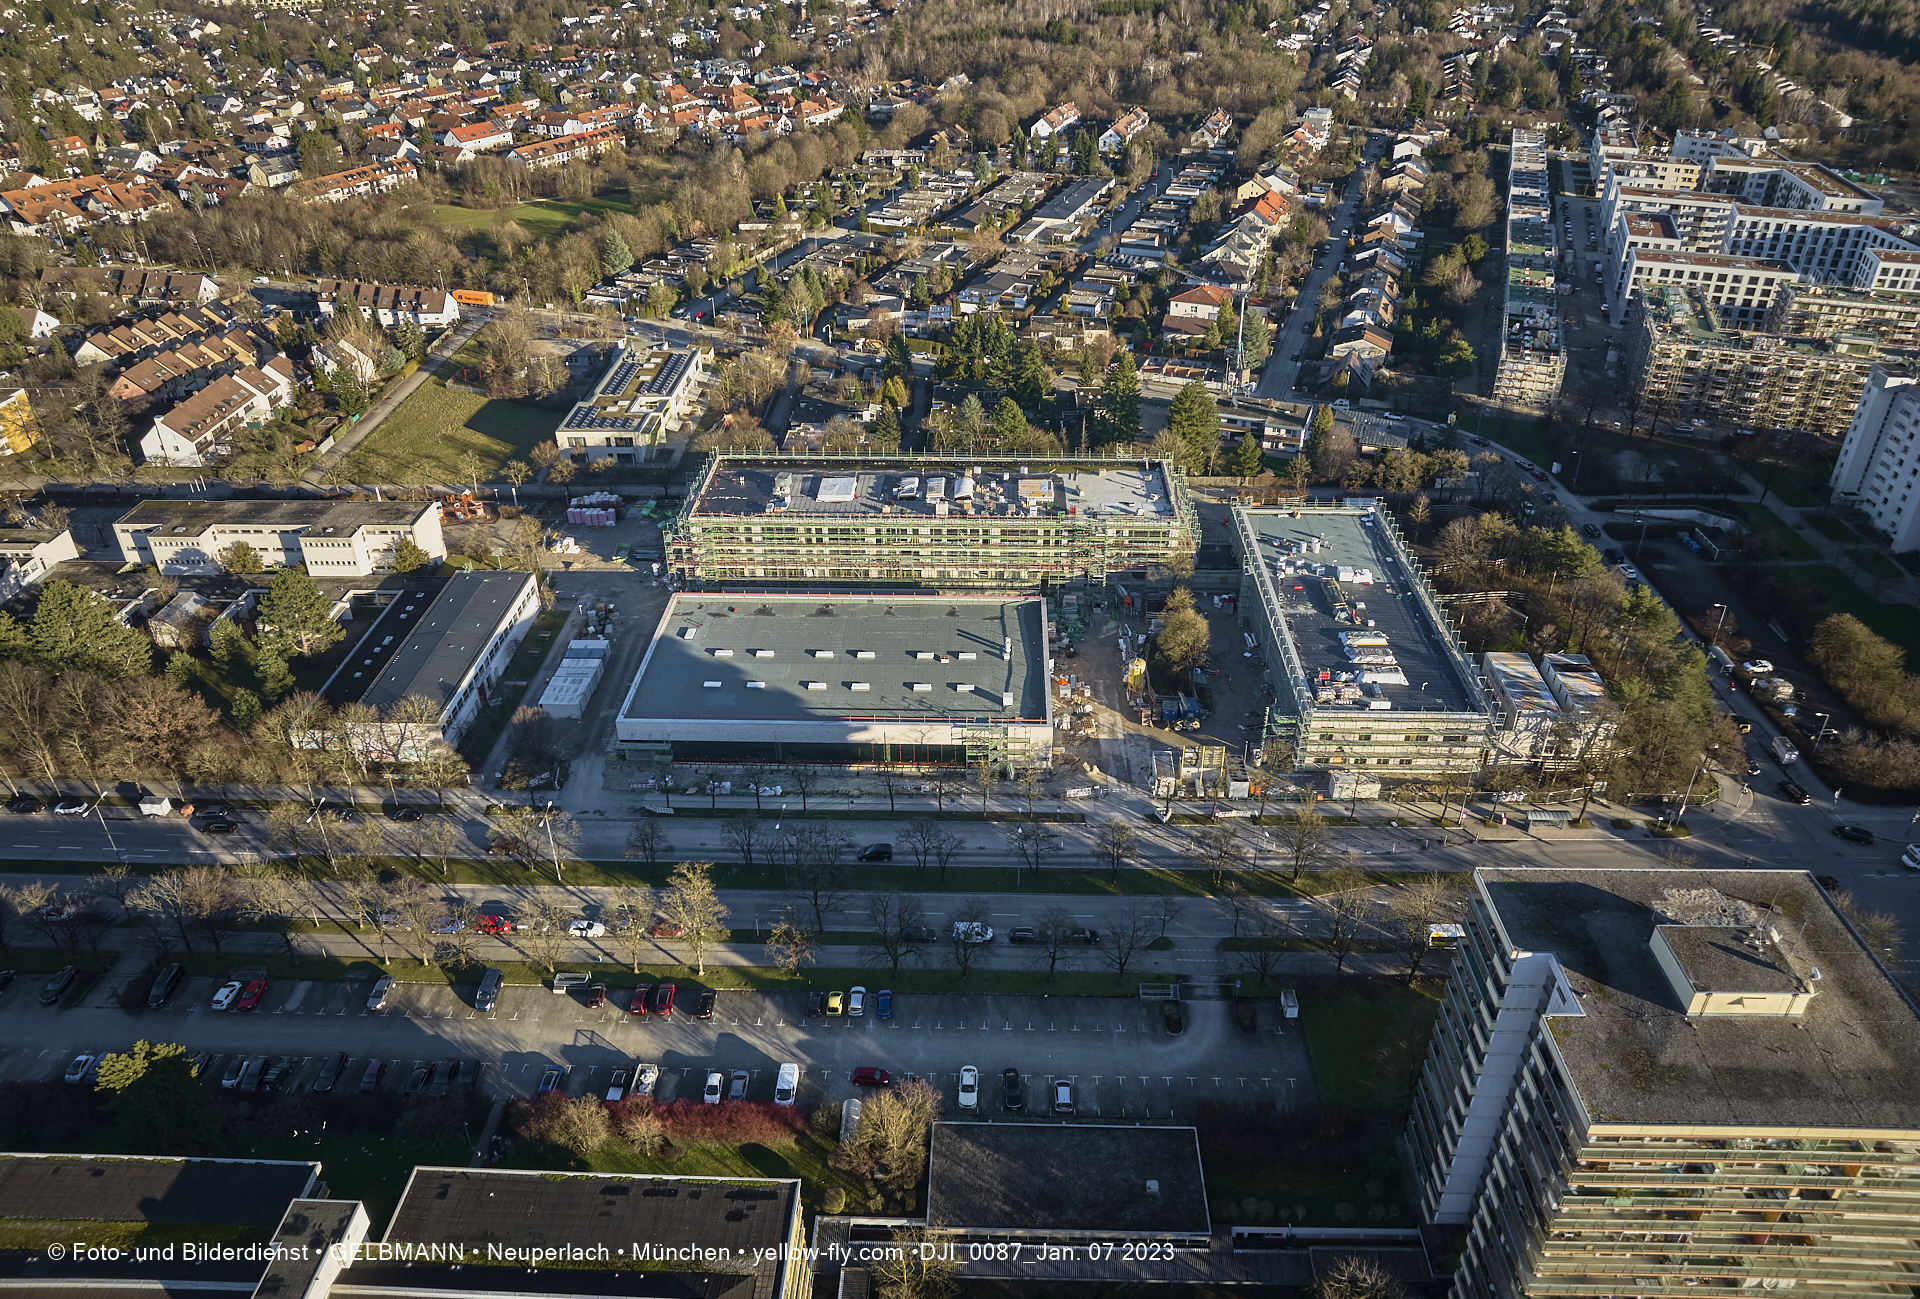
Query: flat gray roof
[
  {"x": 821, "y": 657},
  {"x": 1136, "y": 488},
  {"x": 111, "y": 1188},
  {"x": 1066, "y": 1177},
  {"x": 288, "y": 516},
  {"x": 1423, "y": 655},
  {"x": 433, "y": 648},
  {"x": 1636, "y": 1058}
]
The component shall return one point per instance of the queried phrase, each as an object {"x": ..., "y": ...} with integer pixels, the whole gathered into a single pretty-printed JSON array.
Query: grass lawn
[
  {"x": 1831, "y": 528},
  {"x": 1899, "y": 623},
  {"x": 545, "y": 219},
  {"x": 1873, "y": 563},
  {"x": 1336, "y": 1164},
  {"x": 1524, "y": 436},
  {"x": 1774, "y": 535},
  {"x": 423, "y": 439},
  {"x": 804, "y": 1157}
]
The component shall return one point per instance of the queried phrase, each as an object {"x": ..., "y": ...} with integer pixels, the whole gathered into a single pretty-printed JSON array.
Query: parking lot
[{"x": 1117, "y": 1052}]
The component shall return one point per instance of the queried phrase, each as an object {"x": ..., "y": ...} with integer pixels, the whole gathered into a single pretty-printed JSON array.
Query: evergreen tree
[
  {"x": 1010, "y": 424},
  {"x": 1089, "y": 370},
  {"x": 1195, "y": 420},
  {"x": 409, "y": 557},
  {"x": 615, "y": 256},
  {"x": 1120, "y": 401},
  {"x": 899, "y": 359},
  {"x": 973, "y": 416},
  {"x": 74, "y": 627},
  {"x": 1246, "y": 456},
  {"x": 886, "y": 429},
  {"x": 1032, "y": 381},
  {"x": 293, "y": 615}
]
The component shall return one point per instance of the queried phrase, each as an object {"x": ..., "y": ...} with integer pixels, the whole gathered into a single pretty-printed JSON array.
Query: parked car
[
  {"x": 1591, "y": 529},
  {"x": 1759, "y": 667},
  {"x": 816, "y": 1004},
  {"x": 1854, "y": 834},
  {"x": 587, "y": 929},
  {"x": 667, "y": 929},
  {"x": 163, "y": 985},
  {"x": 708, "y": 1000},
  {"x": 663, "y": 998},
  {"x": 488, "y": 994},
  {"x": 716, "y": 1083},
  {"x": 637, "y": 1003},
  {"x": 405, "y": 813},
  {"x": 25, "y": 804},
  {"x": 972, "y": 931},
  {"x": 857, "y": 1002},
  {"x": 919, "y": 934},
  {"x": 218, "y": 827},
  {"x": 463, "y": 1076},
  {"x": 877, "y": 852},
  {"x": 550, "y": 1080},
  {"x": 1062, "y": 1096},
  {"x": 836, "y": 1003},
  {"x": 1012, "y": 1094},
  {"x": 250, "y": 995},
  {"x": 644, "y": 1079},
  {"x": 737, "y": 1091},
  {"x": 370, "y": 1080},
  {"x": 883, "y": 1004},
  {"x": 278, "y": 1074},
  {"x": 1085, "y": 937},
  {"x": 596, "y": 995},
  {"x": 251, "y": 1075},
  {"x": 441, "y": 1080},
  {"x": 618, "y": 1084},
  {"x": 57, "y": 986},
  {"x": 490, "y": 923},
  {"x": 72, "y": 807},
  {"x": 1629, "y": 572},
  {"x": 1019, "y": 934},
  {"x": 377, "y": 995},
  {"x": 1828, "y": 882},
  {"x": 871, "y": 1076},
  {"x": 227, "y": 994},
  {"x": 77, "y": 1071},
  {"x": 787, "y": 1085},
  {"x": 969, "y": 1088},
  {"x": 1794, "y": 794},
  {"x": 330, "y": 1071},
  {"x": 235, "y": 1067},
  {"x": 417, "y": 1081}
]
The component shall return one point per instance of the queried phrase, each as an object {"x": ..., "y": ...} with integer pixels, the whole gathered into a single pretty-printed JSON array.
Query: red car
[
  {"x": 250, "y": 995},
  {"x": 667, "y": 929},
  {"x": 596, "y": 996},
  {"x": 638, "y": 1005},
  {"x": 869, "y": 1076},
  {"x": 370, "y": 1080},
  {"x": 663, "y": 999},
  {"x": 491, "y": 924}
]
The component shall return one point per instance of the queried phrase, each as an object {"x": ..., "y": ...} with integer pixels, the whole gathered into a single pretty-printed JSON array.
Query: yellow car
[{"x": 836, "y": 1003}]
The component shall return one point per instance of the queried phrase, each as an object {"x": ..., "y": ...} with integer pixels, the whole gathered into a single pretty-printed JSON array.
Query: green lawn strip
[
  {"x": 1874, "y": 563},
  {"x": 1367, "y": 1036},
  {"x": 1899, "y": 623},
  {"x": 804, "y": 1157},
  {"x": 1774, "y": 533},
  {"x": 31, "y": 1234},
  {"x": 1831, "y": 528},
  {"x": 425, "y": 436}
]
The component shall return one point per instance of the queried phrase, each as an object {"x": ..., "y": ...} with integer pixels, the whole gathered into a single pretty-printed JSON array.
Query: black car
[
  {"x": 218, "y": 827},
  {"x": 330, "y": 1072},
  {"x": 708, "y": 999},
  {"x": 25, "y": 803},
  {"x": 163, "y": 985},
  {"x": 404, "y": 813},
  {"x": 918, "y": 934},
  {"x": 1794, "y": 794},
  {"x": 1014, "y": 1094},
  {"x": 1611, "y": 555},
  {"x": 1085, "y": 937},
  {"x": 1827, "y": 882},
  {"x": 877, "y": 852},
  {"x": 816, "y": 1004},
  {"x": 1591, "y": 529},
  {"x": 1022, "y": 934},
  {"x": 57, "y": 986},
  {"x": 1853, "y": 834}
]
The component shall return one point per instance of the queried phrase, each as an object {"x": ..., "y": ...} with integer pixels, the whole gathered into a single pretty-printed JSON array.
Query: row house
[
  {"x": 172, "y": 374},
  {"x": 479, "y": 137},
  {"x": 132, "y": 339},
  {"x": 565, "y": 149},
  {"x": 90, "y": 200},
  {"x": 389, "y": 305},
  {"x": 1125, "y": 127},
  {"x": 1055, "y": 121},
  {"x": 201, "y": 429},
  {"x": 1213, "y": 132},
  {"x": 357, "y": 182},
  {"x": 148, "y": 288}
]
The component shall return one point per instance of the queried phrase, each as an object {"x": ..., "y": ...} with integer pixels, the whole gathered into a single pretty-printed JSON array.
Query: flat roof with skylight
[{"x": 937, "y": 488}]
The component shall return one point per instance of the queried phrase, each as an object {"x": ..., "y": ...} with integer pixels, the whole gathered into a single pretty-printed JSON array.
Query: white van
[{"x": 787, "y": 1086}]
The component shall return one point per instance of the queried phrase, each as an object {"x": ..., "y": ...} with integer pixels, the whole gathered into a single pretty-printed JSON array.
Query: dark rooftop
[
  {"x": 197, "y": 515},
  {"x": 1849, "y": 1062},
  {"x": 109, "y": 1188},
  {"x": 1066, "y": 1177},
  {"x": 433, "y": 648}
]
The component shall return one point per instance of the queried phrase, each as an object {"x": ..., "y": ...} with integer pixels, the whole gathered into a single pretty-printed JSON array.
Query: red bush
[{"x": 733, "y": 1123}]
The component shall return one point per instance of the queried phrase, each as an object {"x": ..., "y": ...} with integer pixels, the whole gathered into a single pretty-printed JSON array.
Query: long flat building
[
  {"x": 928, "y": 522},
  {"x": 329, "y": 538},
  {"x": 784, "y": 678},
  {"x": 1644, "y": 1080},
  {"x": 1367, "y": 674}
]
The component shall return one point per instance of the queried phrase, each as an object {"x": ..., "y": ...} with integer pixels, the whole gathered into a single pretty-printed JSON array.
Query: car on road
[
  {"x": 737, "y": 1090},
  {"x": 1084, "y": 937},
  {"x": 596, "y": 996},
  {"x": 1062, "y": 1096},
  {"x": 1744, "y": 725},
  {"x": 72, "y": 807},
  {"x": 883, "y": 1004},
  {"x": 1753, "y": 768},
  {"x": 786, "y": 1086},
  {"x": 919, "y": 934},
  {"x": 1591, "y": 529},
  {"x": 971, "y": 931},
  {"x": 877, "y": 852},
  {"x": 637, "y": 1004},
  {"x": 969, "y": 1088},
  {"x": 82, "y": 1063},
  {"x": 1759, "y": 667},
  {"x": 417, "y": 1081},
  {"x": 1854, "y": 834},
  {"x": 218, "y": 827},
  {"x": 716, "y": 1083},
  {"x": 836, "y": 1003},
  {"x": 708, "y": 1000},
  {"x": 551, "y": 1079},
  {"x": 1794, "y": 794},
  {"x": 330, "y": 1071},
  {"x": 405, "y": 813},
  {"x": 868, "y": 1075},
  {"x": 1020, "y": 935},
  {"x": 857, "y": 1002},
  {"x": 1611, "y": 556},
  {"x": 618, "y": 1084},
  {"x": 491, "y": 923},
  {"x": 251, "y": 994},
  {"x": 1012, "y": 1094},
  {"x": 1828, "y": 882},
  {"x": 377, "y": 995},
  {"x": 227, "y": 994},
  {"x": 1629, "y": 572},
  {"x": 816, "y": 1004},
  {"x": 663, "y": 998},
  {"x": 370, "y": 1080},
  {"x": 25, "y": 804},
  {"x": 587, "y": 929},
  {"x": 441, "y": 1080},
  {"x": 667, "y": 929}
]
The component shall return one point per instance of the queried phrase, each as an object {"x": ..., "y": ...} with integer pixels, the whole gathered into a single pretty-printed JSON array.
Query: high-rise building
[
  {"x": 1879, "y": 465},
  {"x": 1533, "y": 355},
  {"x": 1668, "y": 1082}
]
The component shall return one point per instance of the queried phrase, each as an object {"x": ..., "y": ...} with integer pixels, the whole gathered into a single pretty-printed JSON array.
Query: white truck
[{"x": 1783, "y": 750}]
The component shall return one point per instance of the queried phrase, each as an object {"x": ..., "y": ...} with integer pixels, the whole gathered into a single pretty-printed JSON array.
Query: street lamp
[
  {"x": 1718, "y": 623},
  {"x": 547, "y": 822},
  {"x": 1689, "y": 794},
  {"x": 1822, "y": 728}
]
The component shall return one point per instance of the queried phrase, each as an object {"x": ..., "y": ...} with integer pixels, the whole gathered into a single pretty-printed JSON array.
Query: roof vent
[
  {"x": 858, "y": 685},
  {"x": 687, "y": 633}
]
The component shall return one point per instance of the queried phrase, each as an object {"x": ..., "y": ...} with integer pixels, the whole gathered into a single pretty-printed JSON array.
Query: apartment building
[
  {"x": 1687, "y": 367},
  {"x": 1879, "y": 465},
  {"x": 328, "y": 538},
  {"x": 942, "y": 523},
  {"x": 357, "y": 182},
  {"x": 1741, "y": 290},
  {"x": 19, "y": 426},
  {"x": 1825, "y": 247},
  {"x": 565, "y": 148},
  {"x": 390, "y": 304},
  {"x": 1765, "y": 182},
  {"x": 200, "y": 429},
  {"x": 1888, "y": 270},
  {"x": 1643, "y": 1080},
  {"x": 1814, "y": 311},
  {"x": 1699, "y": 220},
  {"x": 1533, "y": 357},
  {"x": 639, "y": 402}
]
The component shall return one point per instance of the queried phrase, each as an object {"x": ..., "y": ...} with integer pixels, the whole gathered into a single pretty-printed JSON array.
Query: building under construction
[{"x": 931, "y": 523}]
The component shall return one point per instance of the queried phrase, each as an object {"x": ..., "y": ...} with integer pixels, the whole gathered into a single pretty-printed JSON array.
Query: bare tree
[
  {"x": 279, "y": 899},
  {"x": 631, "y": 918},
  {"x": 1219, "y": 848},
  {"x": 117, "y": 882},
  {"x": 543, "y": 930},
  {"x": 791, "y": 948},
  {"x": 433, "y": 839},
  {"x": 804, "y": 780},
  {"x": 1128, "y": 935},
  {"x": 921, "y": 1268},
  {"x": 1115, "y": 843},
  {"x": 945, "y": 849},
  {"x": 821, "y": 879},
  {"x": 1344, "y": 911},
  {"x": 1269, "y": 935},
  {"x": 1416, "y": 907},
  {"x": 1031, "y": 843},
  {"x": 921, "y": 837},
  {"x": 890, "y": 1144},
  {"x": 969, "y": 918},
  {"x": 217, "y": 906},
  {"x": 20, "y": 900},
  {"x": 1303, "y": 839},
  {"x": 416, "y": 909},
  {"x": 692, "y": 903},
  {"x": 1240, "y": 903},
  {"x": 1056, "y": 922},
  {"x": 1166, "y": 909},
  {"x": 743, "y": 834},
  {"x": 646, "y": 840},
  {"x": 1880, "y": 930},
  {"x": 890, "y": 914},
  {"x": 461, "y": 940}
]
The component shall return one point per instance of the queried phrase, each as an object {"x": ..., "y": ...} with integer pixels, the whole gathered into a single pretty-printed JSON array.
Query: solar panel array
[
  {"x": 670, "y": 372},
  {"x": 589, "y": 417}
]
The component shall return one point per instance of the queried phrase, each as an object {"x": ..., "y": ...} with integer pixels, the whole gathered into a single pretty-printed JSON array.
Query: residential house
[
  {"x": 1055, "y": 121},
  {"x": 1125, "y": 127},
  {"x": 200, "y": 429},
  {"x": 1192, "y": 311},
  {"x": 357, "y": 182},
  {"x": 390, "y": 304},
  {"x": 1214, "y": 131}
]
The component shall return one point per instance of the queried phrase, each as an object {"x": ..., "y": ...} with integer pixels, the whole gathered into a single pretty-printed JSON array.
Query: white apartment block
[
  {"x": 1888, "y": 270},
  {"x": 328, "y": 538},
  {"x": 1740, "y": 289},
  {"x": 640, "y": 402},
  {"x": 1879, "y": 465},
  {"x": 1768, "y": 183}
]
